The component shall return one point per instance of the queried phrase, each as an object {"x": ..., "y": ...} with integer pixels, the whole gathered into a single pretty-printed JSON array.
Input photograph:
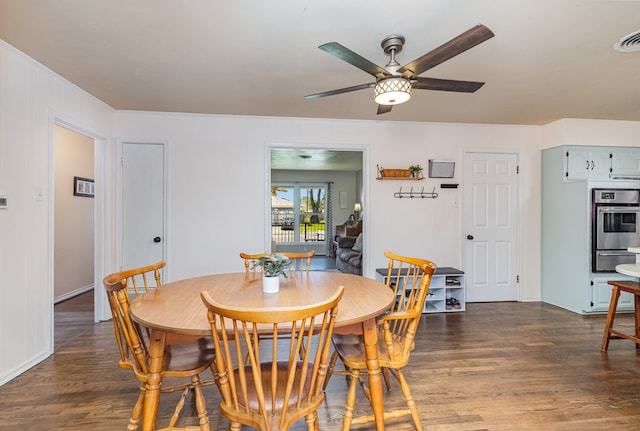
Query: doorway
[
  {"x": 74, "y": 225},
  {"x": 342, "y": 171},
  {"x": 491, "y": 252}
]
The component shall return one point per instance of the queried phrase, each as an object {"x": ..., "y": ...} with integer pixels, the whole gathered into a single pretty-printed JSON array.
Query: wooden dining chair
[
  {"x": 141, "y": 280},
  {"x": 184, "y": 358},
  {"x": 251, "y": 259},
  {"x": 276, "y": 386},
  {"x": 409, "y": 278},
  {"x": 299, "y": 261}
]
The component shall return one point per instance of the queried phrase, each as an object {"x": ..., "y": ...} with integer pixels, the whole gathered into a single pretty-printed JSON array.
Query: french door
[{"x": 298, "y": 215}]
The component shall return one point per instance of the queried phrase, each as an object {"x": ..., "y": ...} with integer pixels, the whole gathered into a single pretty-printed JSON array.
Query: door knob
[
  {"x": 157, "y": 239},
  {"x": 469, "y": 237}
]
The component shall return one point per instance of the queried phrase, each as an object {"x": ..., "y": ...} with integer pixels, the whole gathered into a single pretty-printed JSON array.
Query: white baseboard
[{"x": 73, "y": 293}]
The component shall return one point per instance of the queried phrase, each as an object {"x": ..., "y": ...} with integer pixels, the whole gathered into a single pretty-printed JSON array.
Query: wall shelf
[
  {"x": 402, "y": 178},
  {"x": 399, "y": 174}
]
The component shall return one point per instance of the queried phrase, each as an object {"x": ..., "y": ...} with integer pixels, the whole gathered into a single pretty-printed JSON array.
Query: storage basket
[{"x": 395, "y": 172}]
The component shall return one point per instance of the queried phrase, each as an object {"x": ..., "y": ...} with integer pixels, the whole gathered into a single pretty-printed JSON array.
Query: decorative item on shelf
[
  {"x": 273, "y": 266},
  {"x": 412, "y": 195},
  {"x": 416, "y": 171},
  {"x": 413, "y": 172}
]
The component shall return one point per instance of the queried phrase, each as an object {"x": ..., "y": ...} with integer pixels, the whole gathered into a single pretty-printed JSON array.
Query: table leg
[
  {"x": 373, "y": 367},
  {"x": 152, "y": 396}
]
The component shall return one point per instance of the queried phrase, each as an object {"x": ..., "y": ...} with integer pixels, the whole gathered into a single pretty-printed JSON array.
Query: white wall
[
  {"x": 224, "y": 157},
  {"x": 30, "y": 98},
  {"x": 572, "y": 131}
]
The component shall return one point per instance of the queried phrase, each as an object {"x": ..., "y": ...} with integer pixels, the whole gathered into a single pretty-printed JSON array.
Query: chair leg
[
  {"x": 332, "y": 365},
  {"x": 636, "y": 313},
  {"x": 178, "y": 409},
  {"x": 312, "y": 421},
  {"x": 351, "y": 400},
  {"x": 201, "y": 405},
  {"x": 613, "y": 305},
  {"x": 134, "y": 422},
  {"x": 385, "y": 375},
  {"x": 411, "y": 404}
]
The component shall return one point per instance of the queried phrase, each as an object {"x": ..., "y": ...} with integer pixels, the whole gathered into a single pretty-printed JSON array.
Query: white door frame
[
  {"x": 102, "y": 227},
  {"x": 364, "y": 149},
  {"x": 463, "y": 236}
]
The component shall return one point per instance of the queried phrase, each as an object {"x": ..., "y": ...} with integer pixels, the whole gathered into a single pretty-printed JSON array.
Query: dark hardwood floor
[{"x": 497, "y": 366}]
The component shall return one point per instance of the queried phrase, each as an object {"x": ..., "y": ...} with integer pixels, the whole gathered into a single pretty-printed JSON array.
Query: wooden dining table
[{"x": 176, "y": 308}]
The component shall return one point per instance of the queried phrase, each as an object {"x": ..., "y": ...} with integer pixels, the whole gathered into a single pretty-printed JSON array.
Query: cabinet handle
[
  {"x": 592, "y": 164},
  {"x": 587, "y": 164}
]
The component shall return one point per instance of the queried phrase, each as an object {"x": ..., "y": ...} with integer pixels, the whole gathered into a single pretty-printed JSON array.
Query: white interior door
[
  {"x": 491, "y": 226},
  {"x": 143, "y": 207}
]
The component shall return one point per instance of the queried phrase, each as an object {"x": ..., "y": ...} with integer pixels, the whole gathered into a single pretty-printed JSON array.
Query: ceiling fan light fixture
[{"x": 392, "y": 91}]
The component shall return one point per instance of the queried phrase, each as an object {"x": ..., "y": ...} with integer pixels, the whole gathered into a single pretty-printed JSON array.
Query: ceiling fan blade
[
  {"x": 345, "y": 54},
  {"x": 340, "y": 90},
  {"x": 383, "y": 109},
  {"x": 445, "y": 85},
  {"x": 455, "y": 46}
]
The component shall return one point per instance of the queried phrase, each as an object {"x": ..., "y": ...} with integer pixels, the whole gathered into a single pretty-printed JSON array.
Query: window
[{"x": 298, "y": 213}]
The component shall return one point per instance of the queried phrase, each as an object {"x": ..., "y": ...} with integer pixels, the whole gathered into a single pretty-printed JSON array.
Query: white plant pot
[{"x": 270, "y": 284}]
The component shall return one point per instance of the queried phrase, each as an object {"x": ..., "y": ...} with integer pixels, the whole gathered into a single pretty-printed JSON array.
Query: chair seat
[
  {"x": 196, "y": 357},
  {"x": 350, "y": 347}
]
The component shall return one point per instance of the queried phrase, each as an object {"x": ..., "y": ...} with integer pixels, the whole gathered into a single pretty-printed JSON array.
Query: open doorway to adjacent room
[
  {"x": 74, "y": 244},
  {"x": 312, "y": 190}
]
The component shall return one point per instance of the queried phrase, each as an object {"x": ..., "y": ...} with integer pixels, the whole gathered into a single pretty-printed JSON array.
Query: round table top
[
  {"x": 177, "y": 306},
  {"x": 631, "y": 269}
]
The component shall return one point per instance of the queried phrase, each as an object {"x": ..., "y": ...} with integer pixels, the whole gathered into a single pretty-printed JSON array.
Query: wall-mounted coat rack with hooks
[{"x": 416, "y": 195}]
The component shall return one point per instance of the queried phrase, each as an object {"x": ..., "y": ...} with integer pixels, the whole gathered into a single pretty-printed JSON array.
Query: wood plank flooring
[{"x": 497, "y": 366}]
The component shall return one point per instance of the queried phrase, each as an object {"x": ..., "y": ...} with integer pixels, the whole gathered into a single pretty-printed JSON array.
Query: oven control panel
[{"x": 616, "y": 196}]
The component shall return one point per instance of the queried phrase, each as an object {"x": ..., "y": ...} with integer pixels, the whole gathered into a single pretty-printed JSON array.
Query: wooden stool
[{"x": 622, "y": 286}]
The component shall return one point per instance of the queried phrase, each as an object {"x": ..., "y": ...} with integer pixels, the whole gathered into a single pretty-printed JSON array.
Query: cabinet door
[
  {"x": 625, "y": 163},
  {"x": 577, "y": 164},
  {"x": 600, "y": 168},
  {"x": 601, "y": 296},
  {"x": 585, "y": 163}
]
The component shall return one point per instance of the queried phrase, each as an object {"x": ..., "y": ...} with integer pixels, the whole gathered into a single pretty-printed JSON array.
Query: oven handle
[
  {"x": 629, "y": 209},
  {"x": 622, "y": 253}
]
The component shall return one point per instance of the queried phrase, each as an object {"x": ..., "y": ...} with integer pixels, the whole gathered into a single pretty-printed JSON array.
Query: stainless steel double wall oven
[{"x": 615, "y": 220}]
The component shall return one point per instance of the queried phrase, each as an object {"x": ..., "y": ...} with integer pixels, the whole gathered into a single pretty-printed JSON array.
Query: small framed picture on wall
[{"x": 83, "y": 187}]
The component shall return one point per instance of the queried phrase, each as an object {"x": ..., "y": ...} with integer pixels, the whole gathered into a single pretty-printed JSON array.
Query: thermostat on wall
[{"x": 4, "y": 201}]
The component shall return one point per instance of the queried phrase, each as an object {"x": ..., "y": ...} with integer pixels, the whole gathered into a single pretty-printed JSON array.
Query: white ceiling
[{"x": 549, "y": 59}]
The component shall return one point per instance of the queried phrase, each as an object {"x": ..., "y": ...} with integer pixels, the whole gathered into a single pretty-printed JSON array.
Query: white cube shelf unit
[{"x": 447, "y": 283}]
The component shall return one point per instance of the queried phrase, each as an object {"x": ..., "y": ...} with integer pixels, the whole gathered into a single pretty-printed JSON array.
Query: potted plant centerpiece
[{"x": 273, "y": 266}]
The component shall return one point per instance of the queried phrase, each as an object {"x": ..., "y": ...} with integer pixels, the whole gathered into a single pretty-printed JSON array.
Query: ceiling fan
[{"x": 394, "y": 83}]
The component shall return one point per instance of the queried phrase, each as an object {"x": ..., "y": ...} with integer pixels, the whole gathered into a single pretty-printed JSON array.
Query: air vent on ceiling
[{"x": 629, "y": 43}]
